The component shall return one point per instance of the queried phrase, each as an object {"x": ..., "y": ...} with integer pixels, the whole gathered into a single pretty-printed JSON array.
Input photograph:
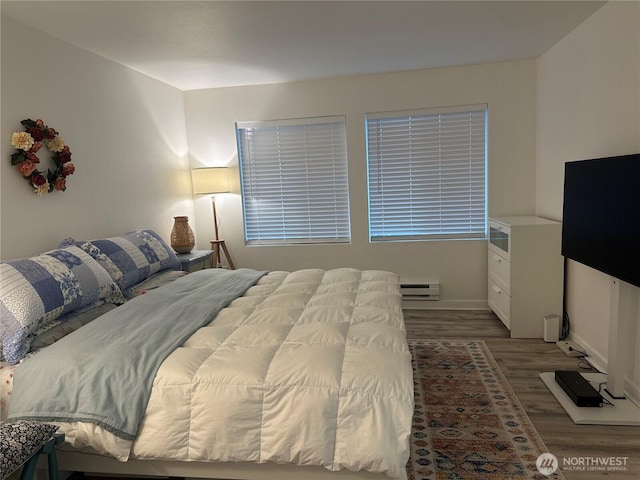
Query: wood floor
[{"x": 521, "y": 360}]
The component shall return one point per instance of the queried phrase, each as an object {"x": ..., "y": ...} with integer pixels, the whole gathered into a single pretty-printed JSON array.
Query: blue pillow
[
  {"x": 35, "y": 291},
  {"x": 133, "y": 257}
]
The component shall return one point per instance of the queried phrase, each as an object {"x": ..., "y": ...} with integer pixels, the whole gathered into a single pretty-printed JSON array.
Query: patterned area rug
[{"x": 468, "y": 423}]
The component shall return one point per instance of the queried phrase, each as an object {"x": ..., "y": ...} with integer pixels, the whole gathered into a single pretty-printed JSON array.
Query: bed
[{"x": 300, "y": 374}]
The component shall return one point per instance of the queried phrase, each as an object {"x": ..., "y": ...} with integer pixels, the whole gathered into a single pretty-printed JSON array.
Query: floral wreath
[{"x": 27, "y": 145}]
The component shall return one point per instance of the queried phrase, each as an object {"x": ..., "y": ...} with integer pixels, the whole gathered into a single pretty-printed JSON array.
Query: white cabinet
[{"x": 525, "y": 272}]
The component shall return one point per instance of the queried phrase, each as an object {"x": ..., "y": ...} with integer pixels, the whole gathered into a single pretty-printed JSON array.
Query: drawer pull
[
  {"x": 497, "y": 258},
  {"x": 496, "y": 289}
]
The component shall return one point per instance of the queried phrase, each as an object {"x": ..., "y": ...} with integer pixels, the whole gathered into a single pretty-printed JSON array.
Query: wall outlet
[{"x": 571, "y": 349}]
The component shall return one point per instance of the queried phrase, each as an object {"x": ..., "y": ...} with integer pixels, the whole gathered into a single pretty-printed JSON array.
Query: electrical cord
[
  {"x": 566, "y": 326},
  {"x": 605, "y": 400},
  {"x": 583, "y": 361},
  {"x": 584, "y": 354},
  {"x": 584, "y": 364}
]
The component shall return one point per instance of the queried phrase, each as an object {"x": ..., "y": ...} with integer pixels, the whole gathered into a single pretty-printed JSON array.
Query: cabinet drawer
[
  {"x": 500, "y": 271},
  {"x": 198, "y": 265},
  {"x": 500, "y": 239},
  {"x": 195, "y": 260},
  {"x": 500, "y": 303}
]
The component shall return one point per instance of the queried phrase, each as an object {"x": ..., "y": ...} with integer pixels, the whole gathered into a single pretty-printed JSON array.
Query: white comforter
[{"x": 309, "y": 368}]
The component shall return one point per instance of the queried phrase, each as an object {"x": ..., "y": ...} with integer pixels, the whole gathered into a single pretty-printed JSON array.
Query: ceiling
[{"x": 210, "y": 44}]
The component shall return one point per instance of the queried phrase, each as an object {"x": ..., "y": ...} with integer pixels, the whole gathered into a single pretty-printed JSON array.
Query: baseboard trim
[{"x": 445, "y": 305}]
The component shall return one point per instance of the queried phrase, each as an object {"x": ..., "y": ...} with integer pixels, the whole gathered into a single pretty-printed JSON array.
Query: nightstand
[{"x": 196, "y": 260}]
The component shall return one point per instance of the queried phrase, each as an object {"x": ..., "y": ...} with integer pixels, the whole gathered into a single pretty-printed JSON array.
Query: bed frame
[{"x": 71, "y": 461}]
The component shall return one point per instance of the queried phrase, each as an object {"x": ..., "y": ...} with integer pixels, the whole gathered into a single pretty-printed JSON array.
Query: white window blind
[
  {"x": 427, "y": 174},
  {"x": 294, "y": 181}
]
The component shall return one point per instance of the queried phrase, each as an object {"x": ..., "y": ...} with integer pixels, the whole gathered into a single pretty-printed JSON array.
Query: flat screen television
[{"x": 601, "y": 215}]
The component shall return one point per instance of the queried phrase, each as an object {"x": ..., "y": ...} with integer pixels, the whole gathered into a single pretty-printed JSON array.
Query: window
[
  {"x": 427, "y": 174},
  {"x": 294, "y": 181}
]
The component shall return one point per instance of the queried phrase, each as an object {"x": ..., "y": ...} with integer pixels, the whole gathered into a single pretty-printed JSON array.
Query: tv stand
[
  {"x": 620, "y": 410},
  {"x": 614, "y": 411}
]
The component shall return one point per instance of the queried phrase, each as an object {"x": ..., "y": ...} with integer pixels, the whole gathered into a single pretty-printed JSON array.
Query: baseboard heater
[{"x": 420, "y": 291}]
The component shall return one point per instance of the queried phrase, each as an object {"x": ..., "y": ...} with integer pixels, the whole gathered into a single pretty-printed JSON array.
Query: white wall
[
  {"x": 461, "y": 266},
  {"x": 127, "y": 137},
  {"x": 589, "y": 107}
]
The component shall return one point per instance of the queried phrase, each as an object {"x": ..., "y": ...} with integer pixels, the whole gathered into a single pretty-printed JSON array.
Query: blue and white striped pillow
[
  {"x": 38, "y": 290},
  {"x": 133, "y": 257}
]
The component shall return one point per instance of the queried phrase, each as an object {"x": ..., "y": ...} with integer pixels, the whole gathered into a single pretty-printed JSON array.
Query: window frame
[
  {"x": 332, "y": 208},
  {"x": 419, "y": 167}
]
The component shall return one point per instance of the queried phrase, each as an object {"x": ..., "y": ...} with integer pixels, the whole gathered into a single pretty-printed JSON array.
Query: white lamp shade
[{"x": 210, "y": 180}]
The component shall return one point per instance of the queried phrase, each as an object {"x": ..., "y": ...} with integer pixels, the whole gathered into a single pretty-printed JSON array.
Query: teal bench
[{"x": 22, "y": 443}]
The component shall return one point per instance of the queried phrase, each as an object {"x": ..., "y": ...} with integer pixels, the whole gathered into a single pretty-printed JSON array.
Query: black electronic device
[
  {"x": 578, "y": 389},
  {"x": 601, "y": 215}
]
